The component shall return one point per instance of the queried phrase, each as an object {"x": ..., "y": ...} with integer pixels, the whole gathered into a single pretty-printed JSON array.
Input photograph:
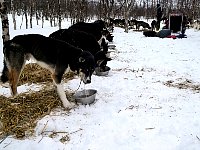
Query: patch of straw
[
  {"x": 19, "y": 115},
  {"x": 33, "y": 73}
]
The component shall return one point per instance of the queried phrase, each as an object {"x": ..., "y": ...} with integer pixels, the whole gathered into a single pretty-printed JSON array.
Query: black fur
[
  {"x": 79, "y": 39},
  {"x": 85, "y": 41},
  {"x": 150, "y": 33},
  {"x": 91, "y": 28},
  {"x": 143, "y": 24},
  {"x": 153, "y": 25},
  {"x": 96, "y": 29}
]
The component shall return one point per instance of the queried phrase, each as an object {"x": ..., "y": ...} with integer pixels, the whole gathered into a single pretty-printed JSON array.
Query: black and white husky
[{"x": 55, "y": 55}]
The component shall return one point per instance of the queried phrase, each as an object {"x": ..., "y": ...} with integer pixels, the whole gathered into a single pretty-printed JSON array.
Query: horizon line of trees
[{"x": 84, "y": 10}]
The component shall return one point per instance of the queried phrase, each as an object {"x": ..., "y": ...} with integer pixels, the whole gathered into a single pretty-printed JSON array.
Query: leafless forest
[{"x": 84, "y": 10}]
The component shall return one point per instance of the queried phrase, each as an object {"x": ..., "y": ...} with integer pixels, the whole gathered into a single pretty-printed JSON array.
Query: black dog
[
  {"x": 144, "y": 25},
  {"x": 55, "y": 55},
  {"x": 86, "y": 42},
  {"x": 95, "y": 29}
]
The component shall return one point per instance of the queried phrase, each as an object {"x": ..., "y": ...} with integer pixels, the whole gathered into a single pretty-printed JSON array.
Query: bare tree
[
  {"x": 31, "y": 13},
  {"x": 5, "y": 22},
  {"x": 81, "y": 10},
  {"x": 59, "y": 14},
  {"x": 13, "y": 14},
  {"x": 107, "y": 7},
  {"x": 26, "y": 4},
  {"x": 127, "y": 7}
]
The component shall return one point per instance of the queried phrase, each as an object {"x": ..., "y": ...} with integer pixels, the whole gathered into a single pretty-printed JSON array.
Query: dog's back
[
  {"x": 88, "y": 28},
  {"x": 77, "y": 38},
  {"x": 45, "y": 49}
]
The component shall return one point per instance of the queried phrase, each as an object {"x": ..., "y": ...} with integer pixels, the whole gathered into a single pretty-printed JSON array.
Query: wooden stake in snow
[{"x": 4, "y": 20}]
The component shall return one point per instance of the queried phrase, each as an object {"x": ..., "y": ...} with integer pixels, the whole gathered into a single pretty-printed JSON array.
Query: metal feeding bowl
[
  {"x": 111, "y": 46},
  {"x": 85, "y": 96},
  {"x": 102, "y": 71}
]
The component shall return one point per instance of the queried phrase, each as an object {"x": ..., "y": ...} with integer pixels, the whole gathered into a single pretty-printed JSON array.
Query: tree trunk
[
  {"x": 13, "y": 15},
  {"x": 128, "y": 6},
  {"x": 37, "y": 13},
  {"x": 26, "y": 16},
  {"x": 31, "y": 14},
  {"x": 59, "y": 15},
  {"x": 42, "y": 19},
  {"x": 5, "y": 22},
  {"x": 126, "y": 16}
]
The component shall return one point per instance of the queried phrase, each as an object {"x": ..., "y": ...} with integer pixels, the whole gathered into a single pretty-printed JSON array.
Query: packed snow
[{"x": 150, "y": 99}]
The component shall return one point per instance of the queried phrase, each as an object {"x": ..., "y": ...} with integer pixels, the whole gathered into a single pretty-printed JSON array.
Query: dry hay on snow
[
  {"x": 19, "y": 115},
  {"x": 33, "y": 73},
  {"x": 185, "y": 84}
]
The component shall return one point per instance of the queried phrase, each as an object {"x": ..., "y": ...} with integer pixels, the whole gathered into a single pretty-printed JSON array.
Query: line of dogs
[
  {"x": 131, "y": 23},
  {"x": 80, "y": 48}
]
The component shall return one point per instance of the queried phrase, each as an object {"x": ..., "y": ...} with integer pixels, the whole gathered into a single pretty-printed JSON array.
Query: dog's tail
[
  {"x": 4, "y": 75},
  {"x": 14, "y": 60}
]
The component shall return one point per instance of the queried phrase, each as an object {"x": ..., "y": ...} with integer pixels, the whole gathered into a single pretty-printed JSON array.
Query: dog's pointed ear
[{"x": 81, "y": 59}]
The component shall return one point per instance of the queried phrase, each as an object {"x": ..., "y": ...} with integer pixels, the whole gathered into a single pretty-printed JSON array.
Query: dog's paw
[{"x": 69, "y": 105}]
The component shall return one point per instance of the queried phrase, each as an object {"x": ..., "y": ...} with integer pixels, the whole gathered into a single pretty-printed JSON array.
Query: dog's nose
[{"x": 88, "y": 81}]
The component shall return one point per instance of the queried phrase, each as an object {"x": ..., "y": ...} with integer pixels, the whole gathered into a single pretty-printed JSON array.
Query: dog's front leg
[
  {"x": 61, "y": 92},
  {"x": 63, "y": 97}
]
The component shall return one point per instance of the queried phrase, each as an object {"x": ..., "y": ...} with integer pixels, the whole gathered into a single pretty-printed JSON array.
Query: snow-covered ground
[{"x": 138, "y": 105}]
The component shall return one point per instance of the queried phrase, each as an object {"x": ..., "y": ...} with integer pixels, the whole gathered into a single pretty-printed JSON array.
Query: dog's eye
[{"x": 92, "y": 69}]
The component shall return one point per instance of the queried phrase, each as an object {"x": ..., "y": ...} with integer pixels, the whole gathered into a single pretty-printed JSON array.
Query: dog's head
[
  {"x": 107, "y": 34},
  {"x": 101, "y": 59},
  {"x": 109, "y": 37},
  {"x": 104, "y": 45},
  {"x": 87, "y": 66}
]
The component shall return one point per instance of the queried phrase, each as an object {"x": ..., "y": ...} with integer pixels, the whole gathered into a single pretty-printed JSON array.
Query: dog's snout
[{"x": 88, "y": 81}]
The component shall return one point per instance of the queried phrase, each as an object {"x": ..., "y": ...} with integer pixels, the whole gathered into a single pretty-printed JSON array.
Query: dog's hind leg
[
  {"x": 13, "y": 79},
  {"x": 57, "y": 81},
  {"x": 14, "y": 60}
]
